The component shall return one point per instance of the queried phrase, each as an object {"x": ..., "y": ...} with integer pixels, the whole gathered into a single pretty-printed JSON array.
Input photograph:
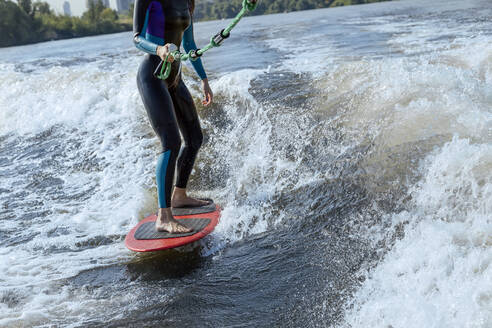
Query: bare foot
[
  {"x": 166, "y": 222},
  {"x": 188, "y": 202},
  {"x": 180, "y": 199}
]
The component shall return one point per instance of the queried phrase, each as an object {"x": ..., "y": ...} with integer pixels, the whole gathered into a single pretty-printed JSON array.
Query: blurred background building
[{"x": 78, "y": 7}]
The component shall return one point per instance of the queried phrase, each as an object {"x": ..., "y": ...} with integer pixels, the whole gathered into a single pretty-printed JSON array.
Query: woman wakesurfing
[{"x": 158, "y": 25}]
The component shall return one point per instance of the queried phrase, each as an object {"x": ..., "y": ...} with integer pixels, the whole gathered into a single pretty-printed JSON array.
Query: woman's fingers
[
  {"x": 163, "y": 52},
  {"x": 207, "y": 93},
  {"x": 170, "y": 58},
  {"x": 207, "y": 100}
]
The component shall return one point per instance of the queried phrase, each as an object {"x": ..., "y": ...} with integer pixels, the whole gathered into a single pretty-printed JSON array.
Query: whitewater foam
[
  {"x": 387, "y": 118},
  {"x": 439, "y": 274}
]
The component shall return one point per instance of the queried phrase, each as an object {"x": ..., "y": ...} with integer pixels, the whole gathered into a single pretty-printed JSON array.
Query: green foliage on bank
[
  {"x": 219, "y": 9},
  {"x": 28, "y": 22}
]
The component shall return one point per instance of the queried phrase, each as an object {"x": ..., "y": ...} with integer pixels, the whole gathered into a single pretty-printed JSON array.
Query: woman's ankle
[{"x": 179, "y": 193}]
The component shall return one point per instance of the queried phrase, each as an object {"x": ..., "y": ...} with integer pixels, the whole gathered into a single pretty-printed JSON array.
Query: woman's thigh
[
  {"x": 186, "y": 114},
  {"x": 159, "y": 106}
]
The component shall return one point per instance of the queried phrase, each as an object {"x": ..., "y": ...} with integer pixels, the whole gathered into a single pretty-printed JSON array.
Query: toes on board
[{"x": 145, "y": 238}]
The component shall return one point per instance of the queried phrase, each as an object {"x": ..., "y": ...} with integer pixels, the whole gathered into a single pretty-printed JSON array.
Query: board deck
[{"x": 150, "y": 241}]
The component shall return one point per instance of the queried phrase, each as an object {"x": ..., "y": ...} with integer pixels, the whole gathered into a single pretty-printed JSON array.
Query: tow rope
[{"x": 164, "y": 69}]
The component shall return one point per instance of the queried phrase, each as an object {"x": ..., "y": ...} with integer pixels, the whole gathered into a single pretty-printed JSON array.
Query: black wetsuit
[{"x": 168, "y": 103}]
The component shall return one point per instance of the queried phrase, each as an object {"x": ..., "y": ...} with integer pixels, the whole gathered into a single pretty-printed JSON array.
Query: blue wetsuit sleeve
[
  {"x": 140, "y": 22},
  {"x": 189, "y": 44}
]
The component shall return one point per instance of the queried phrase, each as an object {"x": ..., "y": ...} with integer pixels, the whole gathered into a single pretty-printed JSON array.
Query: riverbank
[{"x": 36, "y": 22}]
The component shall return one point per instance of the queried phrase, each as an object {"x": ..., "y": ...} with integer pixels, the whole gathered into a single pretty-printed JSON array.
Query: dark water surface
[{"x": 350, "y": 149}]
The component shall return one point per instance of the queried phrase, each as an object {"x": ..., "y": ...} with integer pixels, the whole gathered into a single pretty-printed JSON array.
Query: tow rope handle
[{"x": 164, "y": 68}]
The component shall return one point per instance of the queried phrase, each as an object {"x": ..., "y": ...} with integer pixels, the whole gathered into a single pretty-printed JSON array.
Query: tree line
[
  {"x": 219, "y": 9},
  {"x": 27, "y": 22}
]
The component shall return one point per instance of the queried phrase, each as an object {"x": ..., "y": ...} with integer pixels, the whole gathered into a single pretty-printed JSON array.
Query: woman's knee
[
  {"x": 196, "y": 140},
  {"x": 170, "y": 140}
]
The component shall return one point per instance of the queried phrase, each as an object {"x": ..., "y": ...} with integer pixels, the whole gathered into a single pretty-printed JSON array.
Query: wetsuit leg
[
  {"x": 159, "y": 105},
  {"x": 189, "y": 125}
]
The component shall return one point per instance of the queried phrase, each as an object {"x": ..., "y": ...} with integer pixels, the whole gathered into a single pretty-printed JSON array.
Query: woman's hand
[
  {"x": 163, "y": 51},
  {"x": 207, "y": 92}
]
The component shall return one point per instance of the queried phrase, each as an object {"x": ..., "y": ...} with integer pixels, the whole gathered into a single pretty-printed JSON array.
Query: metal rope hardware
[{"x": 164, "y": 68}]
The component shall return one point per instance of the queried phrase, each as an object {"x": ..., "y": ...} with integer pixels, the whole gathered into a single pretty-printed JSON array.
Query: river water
[{"x": 350, "y": 148}]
